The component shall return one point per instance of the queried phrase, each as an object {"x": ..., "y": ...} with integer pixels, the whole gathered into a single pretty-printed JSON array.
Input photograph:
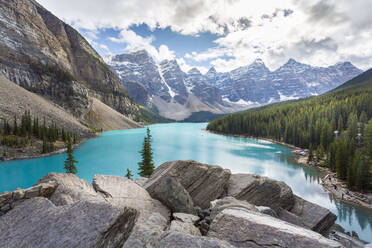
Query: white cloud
[
  {"x": 186, "y": 67},
  {"x": 136, "y": 42},
  {"x": 320, "y": 32}
]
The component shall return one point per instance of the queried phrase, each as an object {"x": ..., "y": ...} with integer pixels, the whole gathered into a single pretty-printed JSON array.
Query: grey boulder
[
  {"x": 37, "y": 222},
  {"x": 70, "y": 189},
  {"x": 148, "y": 233},
  {"x": 261, "y": 191},
  {"x": 171, "y": 193},
  {"x": 123, "y": 192},
  {"x": 203, "y": 182},
  {"x": 245, "y": 228},
  {"x": 219, "y": 205},
  {"x": 181, "y": 240},
  {"x": 309, "y": 215}
]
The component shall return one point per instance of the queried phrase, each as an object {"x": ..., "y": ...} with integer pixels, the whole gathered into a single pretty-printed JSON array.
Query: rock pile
[{"x": 183, "y": 204}]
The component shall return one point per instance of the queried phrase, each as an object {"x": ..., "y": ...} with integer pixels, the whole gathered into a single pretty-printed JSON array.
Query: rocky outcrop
[
  {"x": 46, "y": 56},
  {"x": 203, "y": 182},
  {"x": 123, "y": 192},
  {"x": 262, "y": 191},
  {"x": 219, "y": 205},
  {"x": 147, "y": 234},
  {"x": 37, "y": 222},
  {"x": 9, "y": 200},
  {"x": 181, "y": 240},
  {"x": 309, "y": 215},
  {"x": 171, "y": 193},
  {"x": 245, "y": 228},
  {"x": 70, "y": 189},
  {"x": 117, "y": 212}
]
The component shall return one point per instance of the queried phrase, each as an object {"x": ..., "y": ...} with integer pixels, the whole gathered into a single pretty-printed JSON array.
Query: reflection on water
[{"x": 116, "y": 151}]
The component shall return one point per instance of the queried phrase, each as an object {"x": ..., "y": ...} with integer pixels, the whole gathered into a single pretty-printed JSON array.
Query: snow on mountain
[
  {"x": 164, "y": 86},
  {"x": 177, "y": 94},
  {"x": 293, "y": 80}
]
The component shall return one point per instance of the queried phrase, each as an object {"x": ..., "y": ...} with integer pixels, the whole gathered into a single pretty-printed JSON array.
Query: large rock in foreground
[
  {"x": 203, "y": 182},
  {"x": 37, "y": 222},
  {"x": 263, "y": 191},
  {"x": 245, "y": 228},
  {"x": 70, "y": 189},
  {"x": 122, "y": 192},
  {"x": 181, "y": 240},
  {"x": 309, "y": 215}
]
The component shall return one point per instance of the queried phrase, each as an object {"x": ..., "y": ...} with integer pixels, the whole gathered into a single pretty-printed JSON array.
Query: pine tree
[
  {"x": 129, "y": 174},
  {"x": 146, "y": 166},
  {"x": 311, "y": 154},
  {"x": 70, "y": 161}
]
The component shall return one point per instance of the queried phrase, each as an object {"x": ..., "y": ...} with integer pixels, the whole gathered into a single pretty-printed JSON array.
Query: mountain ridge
[{"x": 163, "y": 84}]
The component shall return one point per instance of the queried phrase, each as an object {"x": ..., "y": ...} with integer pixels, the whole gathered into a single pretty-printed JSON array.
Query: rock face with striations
[
  {"x": 245, "y": 228},
  {"x": 46, "y": 56},
  {"x": 262, "y": 191},
  {"x": 123, "y": 192},
  {"x": 37, "y": 222},
  {"x": 203, "y": 182}
]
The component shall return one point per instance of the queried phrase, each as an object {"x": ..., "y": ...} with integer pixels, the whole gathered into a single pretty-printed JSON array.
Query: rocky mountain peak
[
  {"x": 140, "y": 56},
  {"x": 194, "y": 71},
  {"x": 211, "y": 71}
]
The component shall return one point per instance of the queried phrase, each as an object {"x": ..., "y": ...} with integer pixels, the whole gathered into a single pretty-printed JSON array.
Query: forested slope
[{"x": 311, "y": 123}]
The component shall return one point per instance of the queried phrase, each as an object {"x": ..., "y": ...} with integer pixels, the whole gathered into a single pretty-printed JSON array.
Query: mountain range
[{"x": 175, "y": 94}]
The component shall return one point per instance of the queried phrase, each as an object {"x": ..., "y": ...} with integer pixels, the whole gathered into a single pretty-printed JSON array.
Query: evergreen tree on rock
[
  {"x": 146, "y": 166},
  {"x": 129, "y": 174}
]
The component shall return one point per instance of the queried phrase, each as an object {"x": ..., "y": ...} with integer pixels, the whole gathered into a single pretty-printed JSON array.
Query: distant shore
[
  {"x": 22, "y": 156},
  {"x": 338, "y": 187}
]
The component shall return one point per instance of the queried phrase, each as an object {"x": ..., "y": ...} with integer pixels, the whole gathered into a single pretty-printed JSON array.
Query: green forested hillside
[{"x": 311, "y": 123}]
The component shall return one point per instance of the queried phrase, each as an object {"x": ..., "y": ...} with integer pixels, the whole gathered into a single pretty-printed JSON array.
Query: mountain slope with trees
[{"x": 312, "y": 123}]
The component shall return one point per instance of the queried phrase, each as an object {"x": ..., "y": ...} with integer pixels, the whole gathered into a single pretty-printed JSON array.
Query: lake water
[{"x": 115, "y": 151}]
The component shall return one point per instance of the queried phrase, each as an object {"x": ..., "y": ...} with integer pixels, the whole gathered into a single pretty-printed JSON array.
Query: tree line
[
  {"x": 19, "y": 133},
  {"x": 334, "y": 127}
]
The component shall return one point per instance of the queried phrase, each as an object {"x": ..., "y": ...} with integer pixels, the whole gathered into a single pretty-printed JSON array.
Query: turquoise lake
[{"x": 115, "y": 151}]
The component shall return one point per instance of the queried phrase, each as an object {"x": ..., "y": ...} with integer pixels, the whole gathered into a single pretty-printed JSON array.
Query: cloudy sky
[{"x": 226, "y": 34}]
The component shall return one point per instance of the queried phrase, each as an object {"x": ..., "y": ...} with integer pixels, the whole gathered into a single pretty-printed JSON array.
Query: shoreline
[
  {"x": 42, "y": 155},
  {"x": 339, "y": 192},
  {"x": 338, "y": 188}
]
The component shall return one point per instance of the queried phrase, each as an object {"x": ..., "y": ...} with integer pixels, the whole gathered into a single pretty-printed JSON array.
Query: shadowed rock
[
  {"x": 37, "y": 222},
  {"x": 203, "y": 182},
  {"x": 171, "y": 193}
]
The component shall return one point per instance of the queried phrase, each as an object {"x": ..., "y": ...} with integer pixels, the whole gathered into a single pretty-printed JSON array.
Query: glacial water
[{"x": 115, "y": 151}]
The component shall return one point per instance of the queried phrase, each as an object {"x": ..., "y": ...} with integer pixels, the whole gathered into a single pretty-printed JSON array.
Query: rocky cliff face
[
  {"x": 164, "y": 86},
  {"x": 62, "y": 210},
  {"x": 46, "y": 56}
]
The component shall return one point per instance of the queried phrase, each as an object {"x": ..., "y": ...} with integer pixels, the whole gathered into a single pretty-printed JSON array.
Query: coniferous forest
[
  {"x": 336, "y": 128},
  {"x": 20, "y": 132}
]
